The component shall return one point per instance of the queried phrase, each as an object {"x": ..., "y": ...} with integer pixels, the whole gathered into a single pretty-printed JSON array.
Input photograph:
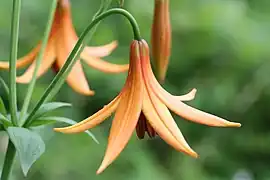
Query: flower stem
[
  {"x": 9, "y": 161},
  {"x": 15, "y": 23},
  {"x": 38, "y": 61},
  {"x": 58, "y": 80}
]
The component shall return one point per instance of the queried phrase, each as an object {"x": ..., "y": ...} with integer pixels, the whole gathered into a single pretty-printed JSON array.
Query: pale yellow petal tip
[
  {"x": 87, "y": 93},
  {"x": 23, "y": 79},
  {"x": 62, "y": 130},
  {"x": 191, "y": 152},
  {"x": 233, "y": 124},
  {"x": 192, "y": 93},
  {"x": 102, "y": 167}
]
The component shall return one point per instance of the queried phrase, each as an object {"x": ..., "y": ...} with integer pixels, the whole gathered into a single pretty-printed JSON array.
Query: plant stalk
[
  {"x": 15, "y": 23},
  {"x": 9, "y": 161}
]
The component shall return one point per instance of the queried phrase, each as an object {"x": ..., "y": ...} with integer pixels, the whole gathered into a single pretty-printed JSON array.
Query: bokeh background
[{"x": 221, "y": 47}]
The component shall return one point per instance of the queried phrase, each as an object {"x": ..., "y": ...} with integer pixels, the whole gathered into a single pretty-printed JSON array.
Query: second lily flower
[
  {"x": 143, "y": 105},
  {"x": 61, "y": 42}
]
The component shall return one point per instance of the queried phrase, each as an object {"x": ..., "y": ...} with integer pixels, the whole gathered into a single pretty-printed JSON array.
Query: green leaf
[
  {"x": 53, "y": 119},
  {"x": 5, "y": 121},
  {"x": 48, "y": 107},
  {"x": 1, "y": 129},
  {"x": 5, "y": 86},
  {"x": 28, "y": 144},
  {"x": 2, "y": 107}
]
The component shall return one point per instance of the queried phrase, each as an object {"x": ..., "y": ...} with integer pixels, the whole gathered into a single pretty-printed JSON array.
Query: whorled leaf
[
  {"x": 48, "y": 107},
  {"x": 42, "y": 121},
  {"x": 28, "y": 144},
  {"x": 2, "y": 107},
  {"x": 5, "y": 121}
]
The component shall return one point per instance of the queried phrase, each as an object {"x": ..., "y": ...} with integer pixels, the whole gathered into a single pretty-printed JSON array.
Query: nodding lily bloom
[
  {"x": 161, "y": 38},
  {"x": 61, "y": 41},
  {"x": 143, "y": 105}
]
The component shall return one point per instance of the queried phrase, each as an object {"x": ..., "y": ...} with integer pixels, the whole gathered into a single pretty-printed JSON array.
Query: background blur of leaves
[{"x": 221, "y": 47}]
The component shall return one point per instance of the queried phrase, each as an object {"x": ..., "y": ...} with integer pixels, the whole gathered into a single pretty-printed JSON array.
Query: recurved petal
[
  {"x": 101, "y": 51},
  {"x": 77, "y": 80},
  {"x": 128, "y": 111},
  {"x": 23, "y": 61},
  {"x": 93, "y": 120},
  {"x": 148, "y": 73},
  {"x": 187, "y": 97},
  {"x": 177, "y": 106},
  {"x": 161, "y": 120},
  {"x": 46, "y": 63},
  {"x": 102, "y": 65}
]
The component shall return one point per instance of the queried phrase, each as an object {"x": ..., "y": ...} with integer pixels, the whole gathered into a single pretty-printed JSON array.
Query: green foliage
[
  {"x": 28, "y": 144},
  {"x": 42, "y": 121},
  {"x": 48, "y": 107}
]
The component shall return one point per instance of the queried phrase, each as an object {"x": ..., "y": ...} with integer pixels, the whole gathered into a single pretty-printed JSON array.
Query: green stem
[
  {"x": 38, "y": 61},
  {"x": 64, "y": 71},
  {"x": 13, "y": 58},
  {"x": 9, "y": 161}
]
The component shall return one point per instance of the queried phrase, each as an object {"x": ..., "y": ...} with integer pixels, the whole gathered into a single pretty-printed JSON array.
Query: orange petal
[
  {"x": 77, "y": 80},
  {"x": 187, "y": 97},
  {"x": 177, "y": 106},
  {"x": 127, "y": 113},
  {"x": 65, "y": 43},
  {"x": 93, "y": 120},
  {"x": 25, "y": 60},
  {"x": 46, "y": 63},
  {"x": 102, "y": 65},
  {"x": 162, "y": 121},
  {"x": 100, "y": 51}
]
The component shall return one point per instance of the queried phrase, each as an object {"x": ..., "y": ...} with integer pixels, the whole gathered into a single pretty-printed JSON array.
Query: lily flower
[
  {"x": 144, "y": 105},
  {"x": 161, "y": 38},
  {"x": 61, "y": 41}
]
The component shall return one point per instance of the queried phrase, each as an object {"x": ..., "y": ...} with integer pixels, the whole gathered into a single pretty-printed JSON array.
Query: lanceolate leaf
[
  {"x": 28, "y": 144},
  {"x": 5, "y": 121},
  {"x": 48, "y": 107},
  {"x": 4, "y": 85},
  {"x": 2, "y": 107},
  {"x": 53, "y": 119}
]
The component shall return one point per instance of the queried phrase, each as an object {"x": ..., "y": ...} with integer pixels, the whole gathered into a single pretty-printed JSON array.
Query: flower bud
[{"x": 161, "y": 38}]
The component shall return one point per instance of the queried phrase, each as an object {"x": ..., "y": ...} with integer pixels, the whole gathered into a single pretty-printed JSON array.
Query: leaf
[
  {"x": 28, "y": 144},
  {"x": 5, "y": 86},
  {"x": 2, "y": 107},
  {"x": 48, "y": 107},
  {"x": 1, "y": 129},
  {"x": 5, "y": 121},
  {"x": 53, "y": 119}
]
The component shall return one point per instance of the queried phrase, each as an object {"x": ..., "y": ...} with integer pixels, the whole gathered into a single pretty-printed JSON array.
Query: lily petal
[
  {"x": 46, "y": 63},
  {"x": 93, "y": 120},
  {"x": 101, "y": 51},
  {"x": 23, "y": 61},
  {"x": 169, "y": 136},
  {"x": 183, "y": 110},
  {"x": 65, "y": 43},
  {"x": 127, "y": 113},
  {"x": 102, "y": 65},
  {"x": 187, "y": 97}
]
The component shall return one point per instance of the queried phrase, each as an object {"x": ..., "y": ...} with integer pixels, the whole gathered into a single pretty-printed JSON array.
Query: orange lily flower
[
  {"x": 161, "y": 38},
  {"x": 61, "y": 42},
  {"x": 144, "y": 104}
]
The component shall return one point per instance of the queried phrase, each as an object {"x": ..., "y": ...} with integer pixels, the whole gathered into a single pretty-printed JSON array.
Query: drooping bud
[{"x": 161, "y": 38}]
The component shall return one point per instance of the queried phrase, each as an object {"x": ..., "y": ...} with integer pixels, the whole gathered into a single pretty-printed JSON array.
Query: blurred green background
[{"x": 221, "y": 47}]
